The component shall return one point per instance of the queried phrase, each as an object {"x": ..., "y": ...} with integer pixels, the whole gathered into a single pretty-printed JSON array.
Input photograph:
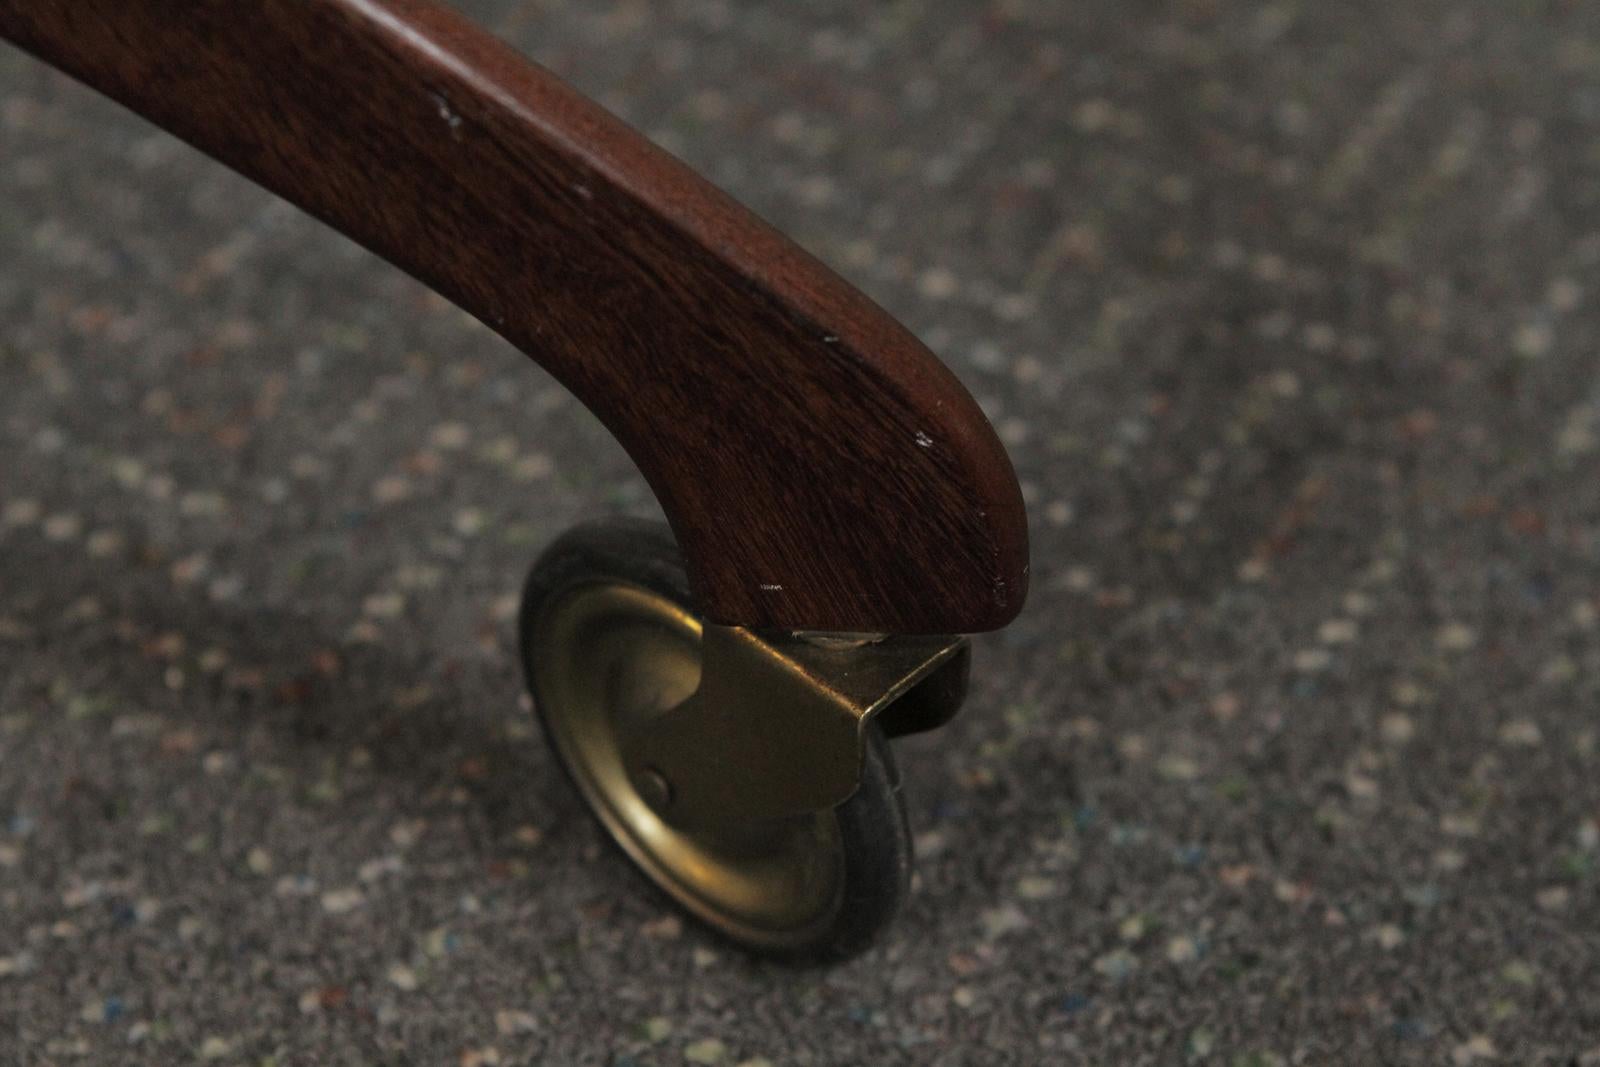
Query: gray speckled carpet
[{"x": 1290, "y": 316}]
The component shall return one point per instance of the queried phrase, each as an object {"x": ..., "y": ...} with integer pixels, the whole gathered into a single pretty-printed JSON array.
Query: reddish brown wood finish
[{"x": 820, "y": 468}]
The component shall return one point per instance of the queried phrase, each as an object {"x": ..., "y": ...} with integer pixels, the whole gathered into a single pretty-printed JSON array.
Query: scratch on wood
[{"x": 451, "y": 119}]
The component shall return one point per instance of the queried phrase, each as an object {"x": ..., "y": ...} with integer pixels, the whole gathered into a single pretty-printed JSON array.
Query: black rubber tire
[{"x": 875, "y": 839}]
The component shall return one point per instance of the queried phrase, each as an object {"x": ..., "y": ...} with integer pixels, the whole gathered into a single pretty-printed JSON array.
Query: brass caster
[{"x": 749, "y": 779}]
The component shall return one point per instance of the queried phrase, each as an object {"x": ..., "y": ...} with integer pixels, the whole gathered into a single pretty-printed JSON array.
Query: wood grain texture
[{"x": 820, "y": 468}]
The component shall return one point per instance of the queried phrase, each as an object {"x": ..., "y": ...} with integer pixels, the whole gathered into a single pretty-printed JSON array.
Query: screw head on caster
[
  {"x": 655, "y": 790},
  {"x": 609, "y": 644}
]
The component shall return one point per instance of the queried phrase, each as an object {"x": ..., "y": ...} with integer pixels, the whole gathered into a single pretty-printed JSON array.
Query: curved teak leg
[{"x": 820, "y": 468}]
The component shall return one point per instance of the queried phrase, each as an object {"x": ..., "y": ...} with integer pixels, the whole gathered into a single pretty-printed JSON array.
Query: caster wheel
[{"x": 609, "y": 643}]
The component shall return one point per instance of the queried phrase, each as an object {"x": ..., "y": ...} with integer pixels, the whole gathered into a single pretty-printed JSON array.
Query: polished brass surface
[
  {"x": 609, "y": 662},
  {"x": 777, "y": 726}
]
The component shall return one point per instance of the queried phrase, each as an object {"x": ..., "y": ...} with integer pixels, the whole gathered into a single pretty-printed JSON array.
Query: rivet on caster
[{"x": 835, "y": 494}]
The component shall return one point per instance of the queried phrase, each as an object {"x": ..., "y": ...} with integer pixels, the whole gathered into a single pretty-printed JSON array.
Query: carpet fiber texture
[{"x": 1289, "y": 314}]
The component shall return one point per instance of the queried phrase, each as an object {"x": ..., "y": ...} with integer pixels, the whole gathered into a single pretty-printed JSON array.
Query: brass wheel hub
[{"x": 609, "y": 662}]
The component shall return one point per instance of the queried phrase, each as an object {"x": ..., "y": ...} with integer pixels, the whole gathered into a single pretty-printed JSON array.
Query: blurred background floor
[{"x": 1288, "y": 313}]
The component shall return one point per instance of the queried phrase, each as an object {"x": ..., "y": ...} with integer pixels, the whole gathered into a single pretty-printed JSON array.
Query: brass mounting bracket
[{"x": 778, "y": 724}]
